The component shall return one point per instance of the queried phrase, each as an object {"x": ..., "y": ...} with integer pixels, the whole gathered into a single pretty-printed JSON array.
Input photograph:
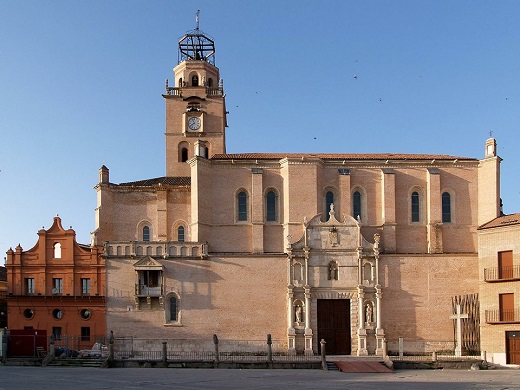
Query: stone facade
[
  {"x": 242, "y": 245},
  {"x": 499, "y": 282}
]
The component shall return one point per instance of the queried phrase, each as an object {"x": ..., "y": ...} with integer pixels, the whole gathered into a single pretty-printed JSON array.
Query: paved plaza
[{"x": 82, "y": 378}]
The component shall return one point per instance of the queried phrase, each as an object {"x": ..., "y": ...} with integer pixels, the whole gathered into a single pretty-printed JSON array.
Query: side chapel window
[
  {"x": 329, "y": 200},
  {"x": 356, "y": 205},
  {"x": 242, "y": 206},
  {"x": 415, "y": 206},
  {"x": 446, "y": 207},
  {"x": 270, "y": 202},
  {"x": 173, "y": 312},
  {"x": 146, "y": 233}
]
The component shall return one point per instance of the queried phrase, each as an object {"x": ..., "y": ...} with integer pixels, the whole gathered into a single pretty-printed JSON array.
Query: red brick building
[{"x": 59, "y": 286}]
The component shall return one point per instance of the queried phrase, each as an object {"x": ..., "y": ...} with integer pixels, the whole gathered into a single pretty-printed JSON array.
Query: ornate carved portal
[{"x": 333, "y": 289}]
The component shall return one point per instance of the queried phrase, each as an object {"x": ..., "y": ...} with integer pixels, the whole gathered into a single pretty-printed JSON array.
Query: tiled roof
[
  {"x": 324, "y": 156},
  {"x": 504, "y": 220},
  {"x": 169, "y": 181}
]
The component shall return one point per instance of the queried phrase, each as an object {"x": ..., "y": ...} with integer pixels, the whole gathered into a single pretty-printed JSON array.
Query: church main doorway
[{"x": 334, "y": 326}]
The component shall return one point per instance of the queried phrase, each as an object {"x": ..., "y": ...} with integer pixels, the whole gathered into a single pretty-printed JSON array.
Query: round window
[
  {"x": 57, "y": 313},
  {"x": 85, "y": 314},
  {"x": 28, "y": 313}
]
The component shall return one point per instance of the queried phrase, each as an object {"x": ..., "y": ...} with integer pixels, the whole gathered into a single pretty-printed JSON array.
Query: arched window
[
  {"x": 57, "y": 250},
  {"x": 242, "y": 206},
  {"x": 446, "y": 207},
  {"x": 415, "y": 206},
  {"x": 329, "y": 200},
  {"x": 356, "y": 205},
  {"x": 173, "y": 303},
  {"x": 270, "y": 205},
  {"x": 210, "y": 82},
  {"x": 195, "y": 81},
  {"x": 180, "y": 83},
  {"x": 146, "y": 233},
  {"x": 180, "y": 234}
]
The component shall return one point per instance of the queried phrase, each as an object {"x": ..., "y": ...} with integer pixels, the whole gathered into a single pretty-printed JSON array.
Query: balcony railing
[
  {"x": 210, "y": 91},
  {"x": 502, "y": 316},
  {"x": 498, "y": 274},
  {"x": 148, "y": 291},
  {"x": 170, "y": 249}
]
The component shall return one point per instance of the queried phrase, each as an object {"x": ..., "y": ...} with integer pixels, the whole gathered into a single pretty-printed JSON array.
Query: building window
[
  {"x": 57, "y": 250},
  {"x": 415, "y": 206},
  {"x": 85, "y": 314},
  {"x": 356, "y": 205},
  {"x": 173, "y": 312},
  {"x": 329, "y": 200},
  {"x": 146, "y": 233},
  {"x": 270, "y": 204},
  {"x": 85, "y": 286},
  {"x": 180, "y": 234},
  {"x": 85, "y": 333},
  {"x": 28, "y": 313},
  {"x": 195, "y": 81},
  {"x": 210, "y": 82},
  {"x": 242, "y": 206},
  {"x": 180, "y": 83},
  {"x": 446, "y": 207},
  {"x": 57, "y": 314},
  {"x": 56, "y": 332},
  {"x": 29, "y": 285},
  {"x": 57, "y": 284}
]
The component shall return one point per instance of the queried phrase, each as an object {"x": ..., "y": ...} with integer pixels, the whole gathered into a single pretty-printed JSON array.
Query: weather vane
[
  {"x": 197, "y": 19},
  {"x": 490, "y": 133}
]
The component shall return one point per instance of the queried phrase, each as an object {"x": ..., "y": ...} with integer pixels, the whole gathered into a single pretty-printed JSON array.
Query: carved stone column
[
  {"x": 291, "y": 333},
  {"x": 380, "y": 333},
  {"x": 362, "y": 332},
  {"x": 308, "y": 329}
]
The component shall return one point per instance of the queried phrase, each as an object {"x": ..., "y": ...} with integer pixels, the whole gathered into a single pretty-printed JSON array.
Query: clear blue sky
[{"x": 81, "y": 85}]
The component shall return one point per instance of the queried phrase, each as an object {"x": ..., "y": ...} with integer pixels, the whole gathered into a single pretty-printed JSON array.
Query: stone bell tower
[{"x": 195, "y": 106}]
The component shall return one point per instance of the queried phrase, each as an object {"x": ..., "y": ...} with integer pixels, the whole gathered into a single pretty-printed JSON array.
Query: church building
[{"x": 356, "y": 249}]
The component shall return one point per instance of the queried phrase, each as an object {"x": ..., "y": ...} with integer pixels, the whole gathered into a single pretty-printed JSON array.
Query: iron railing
[
  {"x": 502, "y": 316},
  {"x": 502, "y": 273}
]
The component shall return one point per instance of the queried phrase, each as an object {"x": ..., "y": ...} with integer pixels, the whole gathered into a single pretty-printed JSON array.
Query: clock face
[{"x": 194, "y": 123}]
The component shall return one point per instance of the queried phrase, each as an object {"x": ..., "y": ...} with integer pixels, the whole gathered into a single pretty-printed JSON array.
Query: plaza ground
[{"x": 41, "y": 378}]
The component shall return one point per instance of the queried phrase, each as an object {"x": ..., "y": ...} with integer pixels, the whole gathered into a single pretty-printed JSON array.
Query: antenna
[{"x": 197, "y": 19}]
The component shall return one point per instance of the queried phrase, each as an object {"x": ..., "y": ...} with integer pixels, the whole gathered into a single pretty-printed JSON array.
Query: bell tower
[{"x": 195, "y": 106}]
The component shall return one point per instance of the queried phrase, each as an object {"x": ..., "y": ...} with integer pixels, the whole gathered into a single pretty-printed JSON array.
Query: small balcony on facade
[
  {"x": 503, "y": 316},
  {"x": 170, "y": 249},
  {"x": 502, "y": 274}
]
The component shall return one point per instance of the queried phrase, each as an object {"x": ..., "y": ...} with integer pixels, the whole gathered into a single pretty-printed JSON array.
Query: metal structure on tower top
[{"x": 196, "y": 46}]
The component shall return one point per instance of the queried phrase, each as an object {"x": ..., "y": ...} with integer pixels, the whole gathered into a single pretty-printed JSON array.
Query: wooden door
[
  {"x": 505, "y": 265},
  {"x": 507, "y": 307},
  {"x": 334, "y": 326},
  {"x": 513, "y": 347}
]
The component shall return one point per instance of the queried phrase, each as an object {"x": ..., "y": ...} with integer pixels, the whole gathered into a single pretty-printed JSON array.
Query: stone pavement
[{"x": 29, "y": 378}]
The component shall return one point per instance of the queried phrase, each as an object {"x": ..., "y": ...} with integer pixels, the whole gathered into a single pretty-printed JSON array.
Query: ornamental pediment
[{"x": 148, "y": 263}]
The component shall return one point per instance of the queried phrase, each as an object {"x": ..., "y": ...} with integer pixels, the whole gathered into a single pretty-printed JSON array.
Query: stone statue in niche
[
  {"x": 298, "y": 314},
  {"x": 368, "y": 313},
  {"x": 333, "y": 271}
]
